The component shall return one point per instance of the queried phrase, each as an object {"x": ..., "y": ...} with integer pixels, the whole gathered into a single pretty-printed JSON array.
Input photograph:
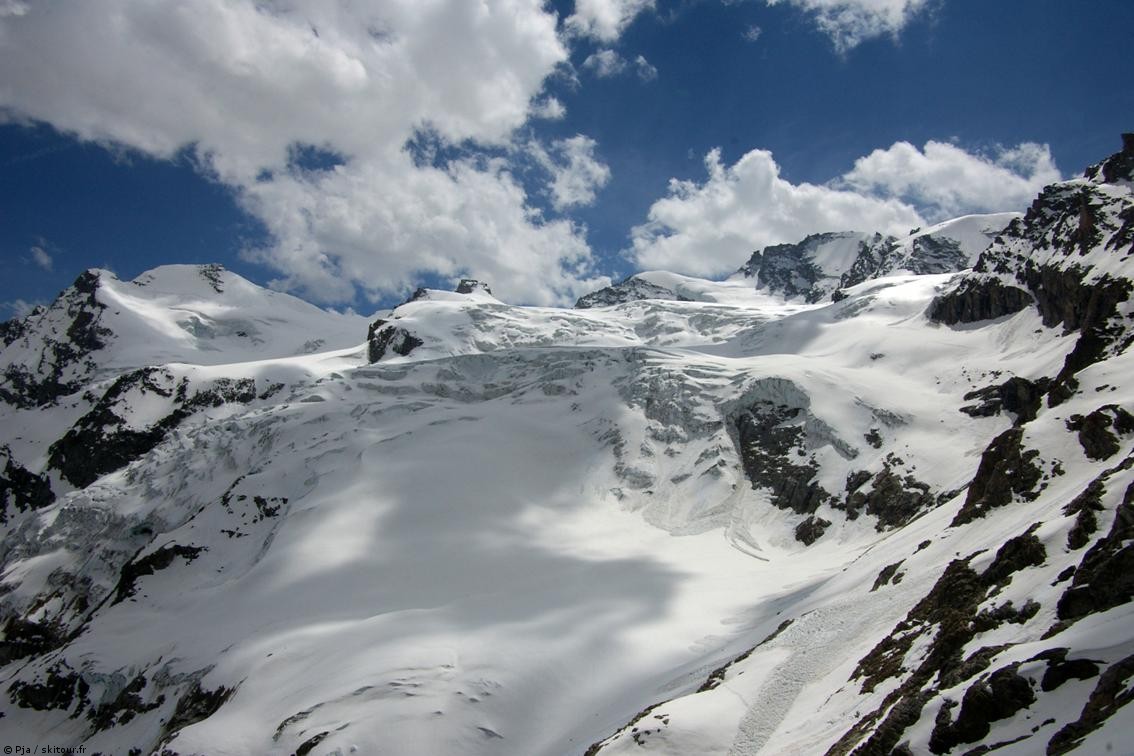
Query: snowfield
[{"x": 722, "y": 519}]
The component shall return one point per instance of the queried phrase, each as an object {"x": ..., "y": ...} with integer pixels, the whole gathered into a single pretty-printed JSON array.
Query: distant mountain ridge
[{"x": 821, "y": 265}]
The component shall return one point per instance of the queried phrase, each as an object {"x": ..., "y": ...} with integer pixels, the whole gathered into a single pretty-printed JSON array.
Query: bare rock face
[
  {"x": 1007, "y": 470},
  {"x": 792, "y": 270},
  {"x": 50, "y": 353},
  {"x": 104, "y": 439},
  {"x": 1068, "y": 256},
  {"x": 979, "y": 299},
  {"x": 767, "y": 442},
  {"x": 385, "y": 338},
  {"x": 21, "y": 489},
  {"x": 632, "y": 289},
  {"x": 471, "y": 285}
]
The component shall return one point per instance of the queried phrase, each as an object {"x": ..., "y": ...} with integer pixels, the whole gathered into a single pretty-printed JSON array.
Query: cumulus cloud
[
  {"x": 468, "y": 217},
  {"x": 752, "y": 33},
  {"x": 646, "y": 71},
  {"x": 549, "y": 108},
  {"x": 945, "y": 180},
  {"x": 605, "y": 63},
  {"x": 604, "y": 20},
  {"x": 242, "y": 83},
  {"x": 710, "y": 229},
  {"x": 575, "y": 171},
  {"x": 41, "y": 258},
  {"x": 850, "y": 22}
]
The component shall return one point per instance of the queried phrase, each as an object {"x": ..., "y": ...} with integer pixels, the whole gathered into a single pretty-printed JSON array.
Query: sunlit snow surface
[{"x": 535, "y": 525}]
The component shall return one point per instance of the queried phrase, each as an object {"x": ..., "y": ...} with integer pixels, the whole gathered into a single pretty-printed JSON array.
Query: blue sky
[{"x": 272, "y": 137}]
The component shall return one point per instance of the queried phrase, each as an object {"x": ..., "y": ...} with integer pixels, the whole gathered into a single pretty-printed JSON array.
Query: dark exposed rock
[
  {"x": 471, "y": 285},
  {"x": 268, "y": 507},
  {"x": 951, "y": 603},
  {"x": 811, "y": 530},
  {"x": 788, "y": 268},
  {"x": 16, "y": 328},
  {"x": 1019, "y": 396},
  {"x": 1105, "y": 576},
  {"x": 1065, "y": 297},
  {"x": 21, "y": 488},
  {"x": 308, "y": 745},
  {"x": 102, "y": 441},
  {"x": 857, "y": 480},
  {"x": 632, "y": 289},
  {"x": 990, "y": 619},
  {"x": 124, "y": 707},
  {"x": 873, "y": 254},
  {"x": 1037, "y": 258},
  {"x": 992, "y": 699},
  {"x": 149, "y": 564},
  {"x": 978, "y": 299},
  {"x": 1014, "y": 555},
  {"x": 766, "y": 441},
  {"x": 196, "y": 705},
  {"x": 1117, "y": 167},
  {"x": 1110, "y": 694},
  {"x": 1095, "y": 430},
  {"x": 1060, "y": 669},
  {"x": 886, "y": 575},
  {"x": 1084, "y": 506},
  {"x": 948, "y": 616},
  {"x": 23, "y": 638},
  {"x": 892, "y": 498},
  {"x": 384, "y": 337},
  {"x": 64, "y": 359},
  {"x": 213, "y": 274},
  {"x": 1006, "y": 469},
  {"x": 59, "y": 691}
]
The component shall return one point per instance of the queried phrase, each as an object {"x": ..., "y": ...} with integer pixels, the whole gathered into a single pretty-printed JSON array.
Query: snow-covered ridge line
[{"x": 701, "y": 517}]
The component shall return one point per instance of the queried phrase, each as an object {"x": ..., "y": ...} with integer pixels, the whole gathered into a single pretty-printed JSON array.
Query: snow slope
[{"x": 727, "y": 521}]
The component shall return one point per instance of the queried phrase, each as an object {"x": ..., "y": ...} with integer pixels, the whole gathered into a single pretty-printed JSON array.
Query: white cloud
[
  {"x": 710, "y": 229},
  {"x": 549, "y": 108},
  {"x": 245, "y": 81},
  {"x": 605, "y": 63},
  {"x": 468, "y": 218},
  {"x": 576, "y": 175},
  {"x": 41, "y": 258},
  {"x": 19, "y": 308},
  {"x": 850, "y": 22},
  {"x": 944, "y": 180},
  {"x": 646, "y": 70},
  {"x": 604, "y": 20},
  {"x": 752, "y": 33}
]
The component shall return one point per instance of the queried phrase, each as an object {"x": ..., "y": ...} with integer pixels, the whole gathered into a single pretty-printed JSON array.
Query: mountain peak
[{"x": 1117, "y": 167}]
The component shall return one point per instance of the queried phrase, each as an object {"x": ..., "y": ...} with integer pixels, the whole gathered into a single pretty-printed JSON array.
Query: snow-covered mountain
[
  {"x": 869, "y": 495},
  {"x": 822, "y": 265}
]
